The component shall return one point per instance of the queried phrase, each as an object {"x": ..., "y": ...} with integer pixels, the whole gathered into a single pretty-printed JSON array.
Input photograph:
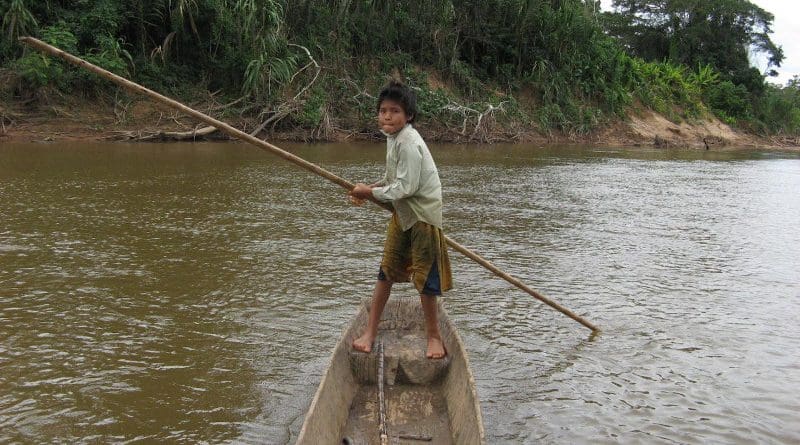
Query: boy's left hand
[{"x": 361, "y": 191}]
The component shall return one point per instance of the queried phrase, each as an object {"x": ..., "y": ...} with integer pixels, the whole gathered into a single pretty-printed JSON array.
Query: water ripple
[{"x": 193, "y": 293}]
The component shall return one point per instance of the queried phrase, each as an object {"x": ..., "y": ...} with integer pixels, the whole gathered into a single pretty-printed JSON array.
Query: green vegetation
[
  {"x": 478, "y": 66},
  {"x": 717, "y": 36}
]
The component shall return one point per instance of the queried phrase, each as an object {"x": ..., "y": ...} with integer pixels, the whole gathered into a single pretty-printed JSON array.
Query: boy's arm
[{"x": 382, "y": 181}]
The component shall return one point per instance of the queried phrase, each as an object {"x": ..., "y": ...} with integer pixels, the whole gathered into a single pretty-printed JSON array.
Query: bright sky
[{"x": 786, "y": 33}]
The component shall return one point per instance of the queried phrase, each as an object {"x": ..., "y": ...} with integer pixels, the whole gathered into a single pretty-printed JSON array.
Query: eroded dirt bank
[{"x": 141, "y": 120}]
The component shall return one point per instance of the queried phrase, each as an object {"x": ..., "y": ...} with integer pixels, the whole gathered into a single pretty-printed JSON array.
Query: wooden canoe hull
[{"x": 431, "y": 399}]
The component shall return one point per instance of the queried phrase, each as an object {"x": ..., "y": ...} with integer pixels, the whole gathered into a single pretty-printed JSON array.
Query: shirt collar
[{"x": 395, "y": 135}]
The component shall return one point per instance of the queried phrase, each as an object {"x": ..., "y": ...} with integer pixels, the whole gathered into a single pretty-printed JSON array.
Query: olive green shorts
[{"x": 418, "y": 254}]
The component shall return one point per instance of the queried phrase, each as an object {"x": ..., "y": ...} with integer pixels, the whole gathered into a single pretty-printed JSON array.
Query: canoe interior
[
  {"x": 411, "y": 410},
  {"x": 427, "y": 401}
]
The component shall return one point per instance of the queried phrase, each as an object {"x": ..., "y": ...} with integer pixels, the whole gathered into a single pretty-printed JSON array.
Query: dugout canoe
[{"x": 426, "y": 401}]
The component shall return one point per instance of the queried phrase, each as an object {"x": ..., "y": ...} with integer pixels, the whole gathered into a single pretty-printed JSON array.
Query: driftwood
[
  {"x": 790, "y": 141},
  {"x": 484, "y": 121},
  {"x": 194, "y": 135}
]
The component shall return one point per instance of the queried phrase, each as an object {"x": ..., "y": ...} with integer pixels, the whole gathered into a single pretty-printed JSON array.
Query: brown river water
[{"x": 192, "y": 293}]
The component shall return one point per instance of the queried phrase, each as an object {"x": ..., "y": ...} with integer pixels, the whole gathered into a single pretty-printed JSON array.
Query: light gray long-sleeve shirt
[{"x": 411, "y": 182}]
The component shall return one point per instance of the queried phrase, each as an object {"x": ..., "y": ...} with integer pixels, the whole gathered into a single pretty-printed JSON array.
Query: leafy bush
[
  {"x": 729, "y": 101},
  {"x": 779, "y": 109},
  {"x": 17, "y": 20},
  {"x": 37, "y": 70},
  {"x": 574, "y": 75},
  {"x": 310, "y": 116}
]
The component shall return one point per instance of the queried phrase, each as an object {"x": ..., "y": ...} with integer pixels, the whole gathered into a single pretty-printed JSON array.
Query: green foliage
[
  {"x": 17, "y": 21},
  {"x": 716, "y": 36},
  {"x": 718, "y": 33},
  {"x": 555, "y": 48},
  {"x": 432, "y": 102},
  {"x": 264, "y": 71},
  {"x": 60, "y": 36},
  {"x": 100, "y": 21},
  {"x": 562, "y": 55},
  {"x": 705, "y": 77},
  {"x": 250, "y": 35},
  {"x": 729, "y": 101},
  {"x": 111, "y": 55},
  {"x": 37, "y": 70},
  {"x": 666, "y": 81},
  {"x": 779, "y": 110}
]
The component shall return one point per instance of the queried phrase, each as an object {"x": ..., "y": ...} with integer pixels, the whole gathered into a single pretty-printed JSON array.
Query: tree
[
  {"x": 720, "y": 33},
  {"x": 17, "y": 20}
]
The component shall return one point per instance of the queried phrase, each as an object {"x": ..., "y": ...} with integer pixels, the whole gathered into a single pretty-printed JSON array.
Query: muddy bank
[{"x": 143, "y": 121}]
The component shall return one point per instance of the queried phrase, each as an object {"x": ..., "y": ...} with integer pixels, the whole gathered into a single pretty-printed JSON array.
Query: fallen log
[{"x": 193, "y": 135}]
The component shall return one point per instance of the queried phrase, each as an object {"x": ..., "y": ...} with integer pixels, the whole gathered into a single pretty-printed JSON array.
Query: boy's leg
[
  {"x": 380, "y": 295},
  {"x": 435, "y": 345}
]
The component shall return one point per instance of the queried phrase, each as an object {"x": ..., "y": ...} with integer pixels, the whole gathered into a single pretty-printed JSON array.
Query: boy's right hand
[
  {"x": 358, "y": 202},
  {"x": 361, "y": 191}
]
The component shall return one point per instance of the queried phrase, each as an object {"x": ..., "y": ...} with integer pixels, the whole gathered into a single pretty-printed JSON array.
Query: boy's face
[{"x": 391, "y": 116}]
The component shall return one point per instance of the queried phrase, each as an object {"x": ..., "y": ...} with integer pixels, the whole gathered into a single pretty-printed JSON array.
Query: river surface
[{"x": 192, "y": 293}]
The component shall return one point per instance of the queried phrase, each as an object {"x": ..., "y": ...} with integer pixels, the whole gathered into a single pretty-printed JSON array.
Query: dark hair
[{"x": 401, "y": 94}]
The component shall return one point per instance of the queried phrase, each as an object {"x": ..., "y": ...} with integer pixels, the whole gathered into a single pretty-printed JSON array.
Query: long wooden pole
[{"x": 313, "y": 168}]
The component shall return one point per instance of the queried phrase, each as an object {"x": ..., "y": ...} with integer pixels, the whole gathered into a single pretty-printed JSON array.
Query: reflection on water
[{"x": 193, "y": 293}]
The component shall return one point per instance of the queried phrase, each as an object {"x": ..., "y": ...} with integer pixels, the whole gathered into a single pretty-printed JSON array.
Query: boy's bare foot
[
  {"x": 436, "y": 349},
  {"x": 364, "y": 343}
]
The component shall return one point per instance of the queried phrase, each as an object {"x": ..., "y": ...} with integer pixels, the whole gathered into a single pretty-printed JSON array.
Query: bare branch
[
  {"x": 293, "y": 105},
  {"x": 361, "y": 92},
  {"x": 227, "y": 105},
  {"x": 301, "y": 69},
  {"x": 483, "y": 120},
  {"x": 463, "y": 111}
]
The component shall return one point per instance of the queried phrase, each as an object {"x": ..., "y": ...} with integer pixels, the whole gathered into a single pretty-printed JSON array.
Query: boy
[{"x": 415, "y": 248}]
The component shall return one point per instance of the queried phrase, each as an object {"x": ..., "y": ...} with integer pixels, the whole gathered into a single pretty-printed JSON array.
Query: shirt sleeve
[
  {"x": 409, "y": 166},
  {"x": 382, "y": 181}
]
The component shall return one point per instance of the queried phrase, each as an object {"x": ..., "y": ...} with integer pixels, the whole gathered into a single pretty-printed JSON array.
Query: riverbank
[{"x": 141, "y": 120}]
